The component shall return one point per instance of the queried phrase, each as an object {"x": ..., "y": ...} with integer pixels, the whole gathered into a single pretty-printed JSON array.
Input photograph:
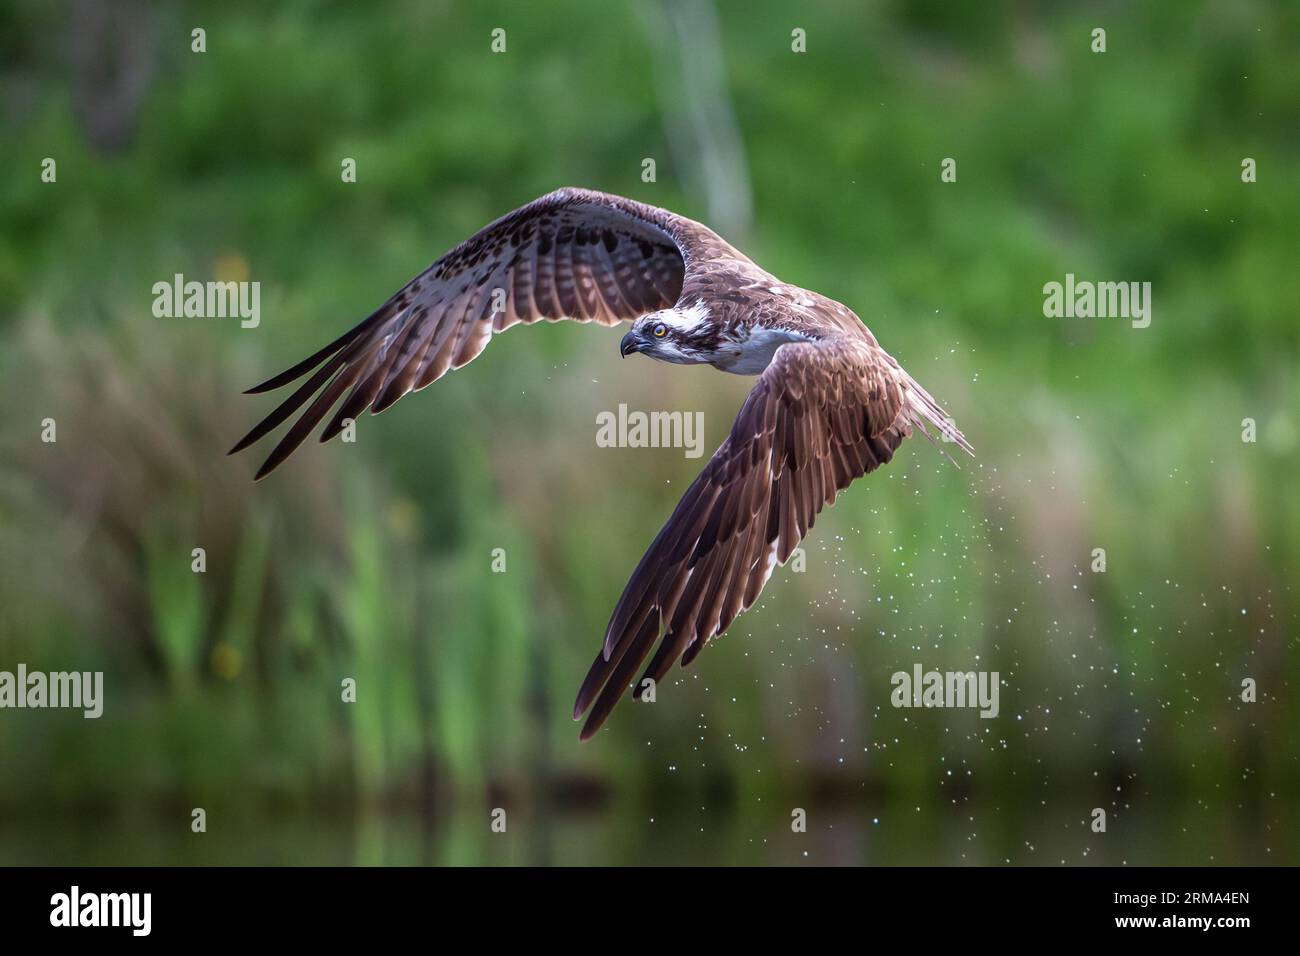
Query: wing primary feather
[
  {"x": 311, "y": 361},
  {"x": 358, "y": 400},
  {"x": 617, "y": 681},
  {"x": 309, "y": 419},
  {"x": 290, "y": 404},
  {"x": 606, "y": 661}
]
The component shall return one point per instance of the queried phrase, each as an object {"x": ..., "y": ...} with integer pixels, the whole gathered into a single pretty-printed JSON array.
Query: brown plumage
[{"x": 829, "y": 406}]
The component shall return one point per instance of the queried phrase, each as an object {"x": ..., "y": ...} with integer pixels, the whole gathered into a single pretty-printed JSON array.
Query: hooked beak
[{"x": 629, "y": 345}]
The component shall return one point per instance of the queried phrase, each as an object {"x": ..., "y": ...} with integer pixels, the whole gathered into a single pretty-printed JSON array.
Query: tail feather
[{"x": 925, "y": 413}]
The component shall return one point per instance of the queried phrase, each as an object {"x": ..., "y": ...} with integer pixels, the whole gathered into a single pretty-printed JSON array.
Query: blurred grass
[{"x": 373, "y": 560}]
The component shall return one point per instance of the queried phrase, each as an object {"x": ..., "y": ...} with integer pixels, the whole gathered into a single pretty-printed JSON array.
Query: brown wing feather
[
  {"x": 821, "y": 415},
  {"x": 572, "y": 254}
]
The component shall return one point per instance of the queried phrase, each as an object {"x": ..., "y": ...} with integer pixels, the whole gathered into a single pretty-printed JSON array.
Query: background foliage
[{"x": 371, "y": 560}]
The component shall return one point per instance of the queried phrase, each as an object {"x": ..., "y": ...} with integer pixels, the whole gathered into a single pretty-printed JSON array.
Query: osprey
[{"x": 829, "y": 405}]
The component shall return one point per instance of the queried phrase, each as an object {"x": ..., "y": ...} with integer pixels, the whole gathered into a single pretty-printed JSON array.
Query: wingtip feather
[{"x": 243, "y": 443}]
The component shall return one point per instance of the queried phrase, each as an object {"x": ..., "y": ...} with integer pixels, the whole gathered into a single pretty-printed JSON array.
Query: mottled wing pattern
[
  {"x": 572, "y": 254},
  {"x": 821, "y": 415}
]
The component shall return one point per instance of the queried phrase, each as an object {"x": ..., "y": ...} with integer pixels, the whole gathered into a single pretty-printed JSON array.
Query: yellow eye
[{"x": 660, "y": 330}]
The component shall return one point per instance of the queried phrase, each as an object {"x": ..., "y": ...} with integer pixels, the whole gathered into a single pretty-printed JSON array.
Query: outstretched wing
[
  {"x": 822, "y": 414},
  {"x": 572, "y": 254}
]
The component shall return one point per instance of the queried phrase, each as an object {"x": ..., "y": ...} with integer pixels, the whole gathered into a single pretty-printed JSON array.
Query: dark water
[{"x": 963, "y": 833}]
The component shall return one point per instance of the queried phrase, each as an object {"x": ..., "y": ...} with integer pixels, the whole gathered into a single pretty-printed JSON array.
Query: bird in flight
[{"x": 829, "y": 405}]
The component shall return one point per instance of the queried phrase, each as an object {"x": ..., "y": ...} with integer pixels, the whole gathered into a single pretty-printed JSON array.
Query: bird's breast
[{"x": 749, "y": 351}]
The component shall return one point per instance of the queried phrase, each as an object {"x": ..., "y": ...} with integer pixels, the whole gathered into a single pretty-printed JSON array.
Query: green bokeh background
[{"x": 1121, "y": 690}]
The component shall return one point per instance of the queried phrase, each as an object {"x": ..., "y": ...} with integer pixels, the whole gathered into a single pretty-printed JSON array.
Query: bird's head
[{"x": 669, "y": 335}]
